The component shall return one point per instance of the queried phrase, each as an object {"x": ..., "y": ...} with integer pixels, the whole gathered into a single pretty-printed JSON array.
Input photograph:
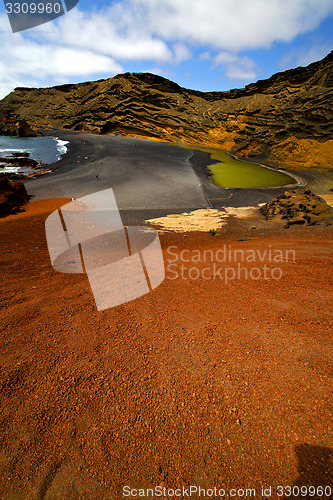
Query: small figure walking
[
  {"x": 73, "y": 199},
  {"x": 97, "y": 176}
]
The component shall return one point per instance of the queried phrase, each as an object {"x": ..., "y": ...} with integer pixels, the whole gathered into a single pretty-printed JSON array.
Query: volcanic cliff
[
  {"x": 12, "y": 124},
  {"x": 286, "y": 119}
]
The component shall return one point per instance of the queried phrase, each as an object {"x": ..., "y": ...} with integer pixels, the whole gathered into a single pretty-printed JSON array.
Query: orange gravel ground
[{"x": 198, "y": 383}]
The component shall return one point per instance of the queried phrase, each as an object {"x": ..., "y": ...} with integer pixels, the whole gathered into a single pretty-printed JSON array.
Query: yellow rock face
[
  {"x": 304, "y": 153},
  {"x": 286, "y": 119}
]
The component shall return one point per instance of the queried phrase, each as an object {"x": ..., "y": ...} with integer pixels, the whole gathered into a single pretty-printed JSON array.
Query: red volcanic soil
[{"x": 200, "y": 383}]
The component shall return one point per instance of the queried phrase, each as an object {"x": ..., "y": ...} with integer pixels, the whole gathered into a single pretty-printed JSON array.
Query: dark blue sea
[{"x": 44, "y": 149}]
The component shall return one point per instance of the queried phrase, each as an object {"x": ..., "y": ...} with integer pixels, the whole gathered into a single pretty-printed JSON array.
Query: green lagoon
[{"x": 231, "y": 173}]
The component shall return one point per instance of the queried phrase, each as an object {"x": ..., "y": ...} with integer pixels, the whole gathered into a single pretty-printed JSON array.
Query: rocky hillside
[
  {"x": 286, "y": 119},
  {"x": 12, "y": 124}
]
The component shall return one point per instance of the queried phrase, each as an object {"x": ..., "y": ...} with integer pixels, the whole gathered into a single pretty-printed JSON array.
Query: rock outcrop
[
  {"x": 299, "y": 207},
  {"x": 12, "y": 124},
  {"x": 286, "y": 119},
  {"x": 13, "y": 195},
  {"x": 19, "y": 160}
]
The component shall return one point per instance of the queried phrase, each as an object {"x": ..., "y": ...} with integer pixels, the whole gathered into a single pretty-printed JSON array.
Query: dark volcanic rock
[
  {"x": 12, "y": 124},
  {"x": 13, "y": 195},
  {"x": 20, "y": 160},
  {"x": 299, "y": 207},
  {"x": 284, "y": 119}
]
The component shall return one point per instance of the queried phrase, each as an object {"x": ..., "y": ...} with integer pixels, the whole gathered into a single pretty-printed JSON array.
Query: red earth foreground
[{"x": 201, "y": 383}]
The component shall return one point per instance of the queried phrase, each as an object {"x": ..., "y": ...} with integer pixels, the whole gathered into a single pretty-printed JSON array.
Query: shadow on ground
[{"x": 315, "y": 469}]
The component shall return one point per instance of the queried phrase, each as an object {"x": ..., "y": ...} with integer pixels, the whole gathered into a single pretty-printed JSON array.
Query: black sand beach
[{"x": 149, "y": 178}]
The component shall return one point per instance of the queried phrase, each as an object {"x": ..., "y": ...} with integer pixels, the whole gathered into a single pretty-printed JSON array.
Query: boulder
[
  {"x": 298, "y": 207},
  {"x": 12, "y": 124},
  {"x": 13, "y": 195}
]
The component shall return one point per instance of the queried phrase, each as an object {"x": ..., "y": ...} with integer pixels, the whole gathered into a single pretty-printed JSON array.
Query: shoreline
[
  {"x": 42, "y": 165},
  {"x": 299, "y": 181},
  {"x": 95, "y": 147}
]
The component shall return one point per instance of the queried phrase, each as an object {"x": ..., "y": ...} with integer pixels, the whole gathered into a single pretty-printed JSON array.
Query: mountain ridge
[{"x": 285, "y": 119}]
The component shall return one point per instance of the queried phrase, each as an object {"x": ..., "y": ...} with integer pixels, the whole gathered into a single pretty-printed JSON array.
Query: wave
[
  {"x": 61, "y": 147},
  {"x": 16, "y": 150},
  {"x": 10, "y": 170},
  {"x": 45, "y": 150}
]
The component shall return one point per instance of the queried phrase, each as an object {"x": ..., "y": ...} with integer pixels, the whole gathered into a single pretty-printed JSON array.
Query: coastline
[
  {"x": 27, "y": 147},
  {"x": 62, "y": 147},
  {"x": 149, "y": 179},
  {"x": 88, "y": 150}
]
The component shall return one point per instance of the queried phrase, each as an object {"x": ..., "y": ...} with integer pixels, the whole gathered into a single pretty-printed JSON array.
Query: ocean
[{"x": 44, "y": 149}]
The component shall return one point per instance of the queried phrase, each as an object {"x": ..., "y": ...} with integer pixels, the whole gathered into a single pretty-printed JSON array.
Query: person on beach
[
  {"x": 73, "y": 199},
  {"x": 97, "y": 176}
]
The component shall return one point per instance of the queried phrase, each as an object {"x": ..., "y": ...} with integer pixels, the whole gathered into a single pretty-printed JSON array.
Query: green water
[{"x": 231, "y": 173}]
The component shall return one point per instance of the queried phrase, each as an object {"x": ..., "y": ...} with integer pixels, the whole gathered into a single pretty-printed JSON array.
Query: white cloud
[
  {"x": 180, "y": 53},
  {"x": 100, "y": 32},
  {"x": 163, "y": 32},
  {"x": 26, "y": 60},
  {"x": 235, "y": 66},
  {"x": 205, "y": 56},
  {"x": 305, "y": 55},
  {"x": 144, "y": 29},
  {"x": 7, "y": 84},
  {"x": 313, "y": 54},
  {"x": 230, "y": 25},
  {"x": 49, "y": 60},
  {"x": 156, "y": 70}
]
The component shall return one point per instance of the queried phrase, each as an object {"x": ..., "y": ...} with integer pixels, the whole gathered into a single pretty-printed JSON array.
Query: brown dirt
[{"x": 197, "y": 383}]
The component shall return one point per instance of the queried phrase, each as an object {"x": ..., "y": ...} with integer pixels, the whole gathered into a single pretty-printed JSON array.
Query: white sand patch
[
  {"x": 242, "y": 212},
  {"x": 205, "y": 219}
]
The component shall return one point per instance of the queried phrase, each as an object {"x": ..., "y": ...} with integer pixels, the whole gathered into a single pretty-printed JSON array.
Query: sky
[{"x": 200, "y": 44}]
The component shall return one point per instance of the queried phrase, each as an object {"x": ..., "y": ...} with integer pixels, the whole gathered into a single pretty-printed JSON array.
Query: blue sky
[{"x": 200, "y": 44}]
